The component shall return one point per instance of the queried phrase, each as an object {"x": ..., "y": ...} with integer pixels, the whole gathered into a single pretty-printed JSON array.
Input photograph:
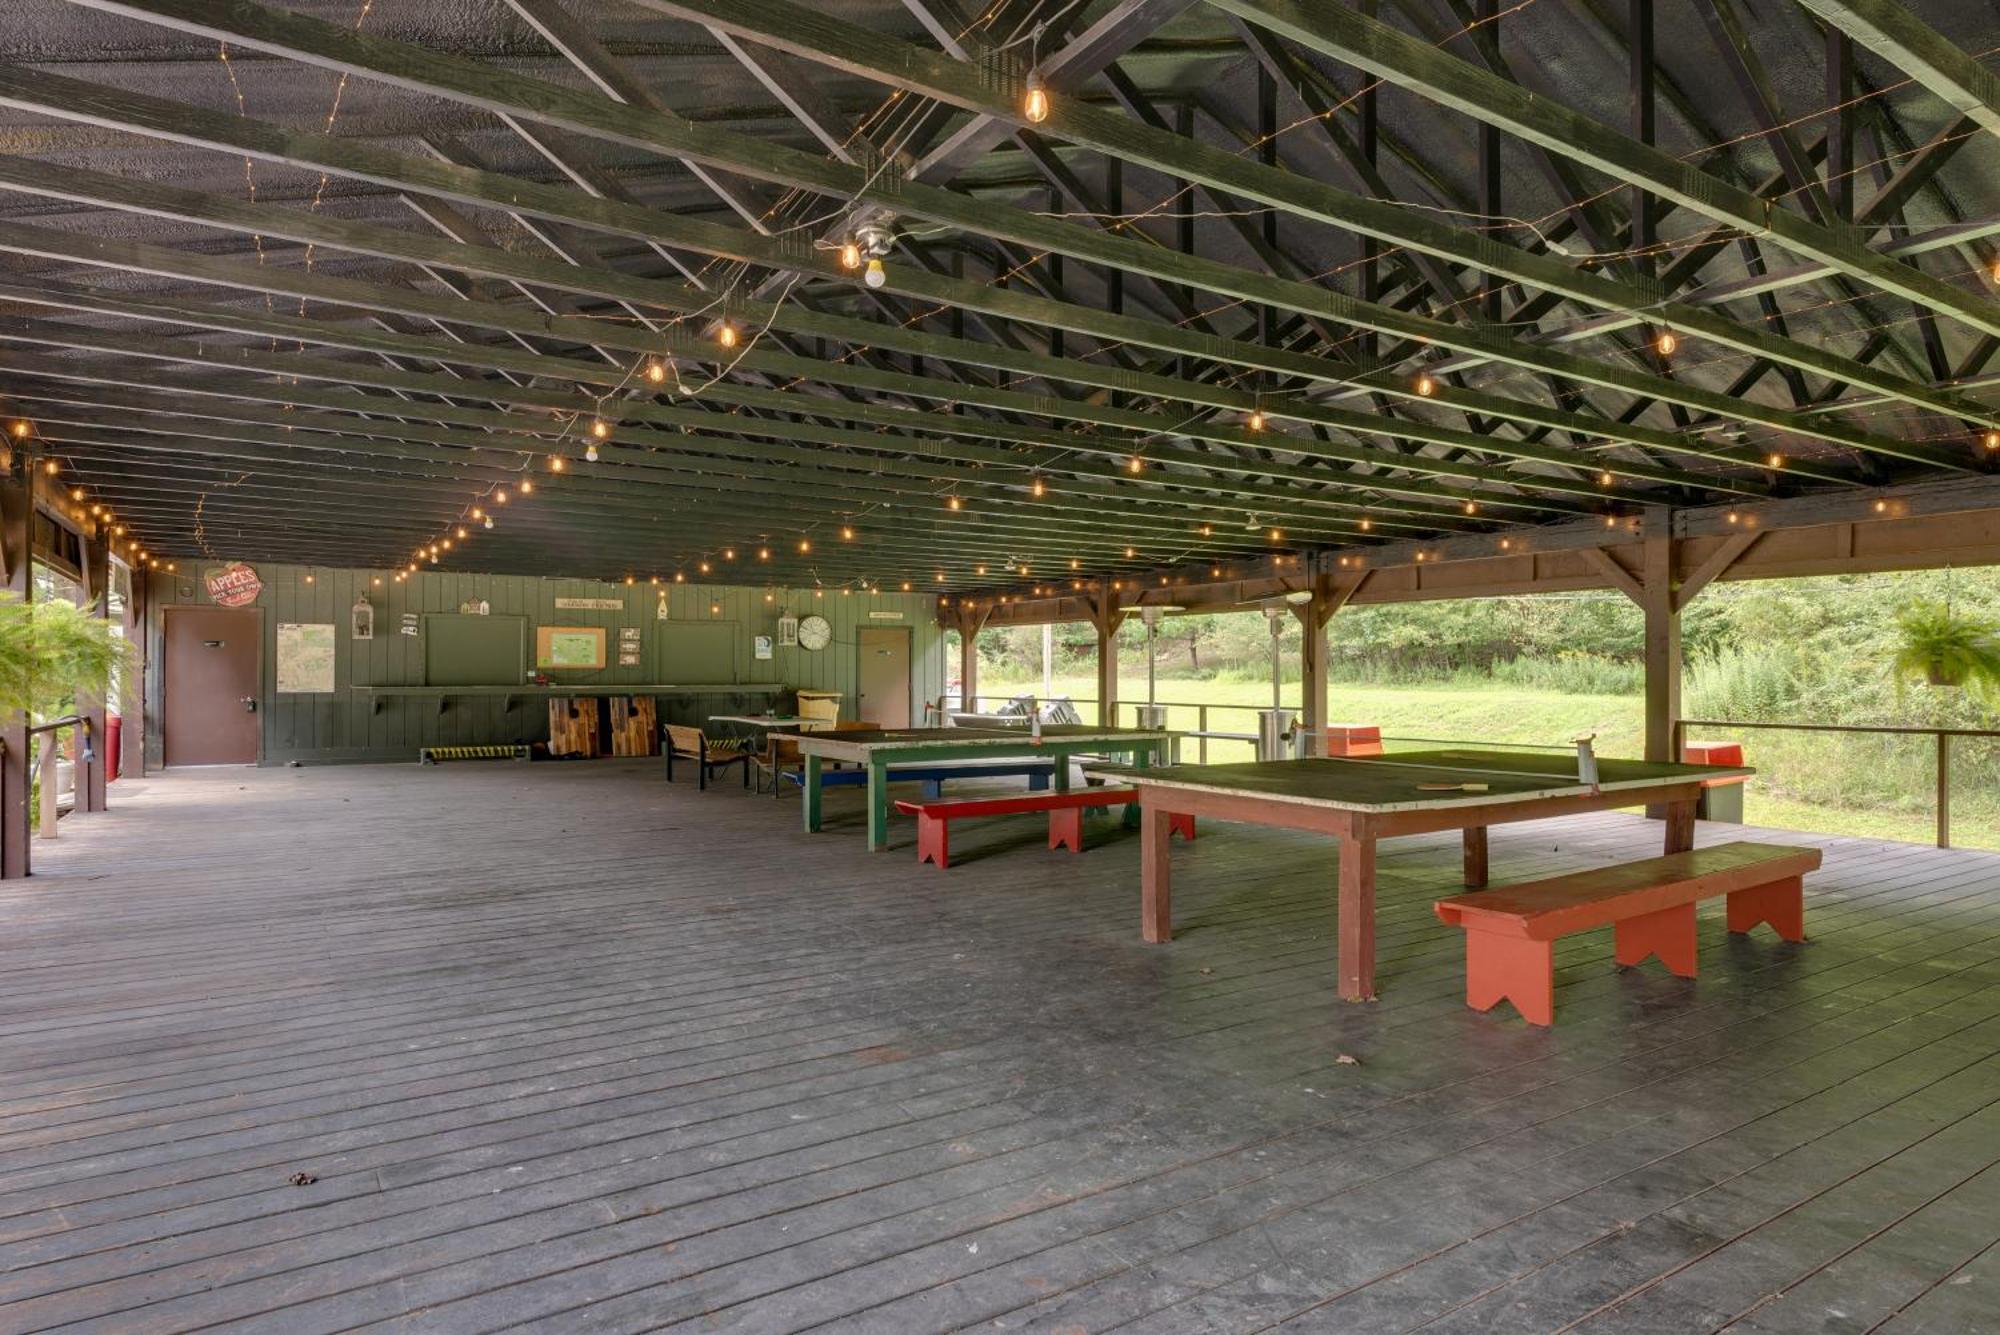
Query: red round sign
[{"x": 233, "y": 585}]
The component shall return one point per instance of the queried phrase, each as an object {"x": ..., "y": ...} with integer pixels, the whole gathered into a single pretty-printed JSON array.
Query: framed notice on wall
[
  {"x": 569, "y": 647},
  {"x": 305, "y": 658}
]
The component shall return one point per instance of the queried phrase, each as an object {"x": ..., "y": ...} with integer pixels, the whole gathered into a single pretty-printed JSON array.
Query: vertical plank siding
[{"x": 352, "y": 725}]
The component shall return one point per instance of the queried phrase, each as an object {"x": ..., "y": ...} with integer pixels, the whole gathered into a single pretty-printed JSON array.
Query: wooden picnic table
[{"x": 1364, "y": 799}]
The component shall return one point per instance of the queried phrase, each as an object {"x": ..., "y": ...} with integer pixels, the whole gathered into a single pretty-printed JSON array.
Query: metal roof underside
[{"x": 318, "y": 283}]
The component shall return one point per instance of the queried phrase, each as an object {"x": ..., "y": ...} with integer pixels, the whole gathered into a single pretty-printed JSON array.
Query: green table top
[
  {"x": 1393, "y": 782},
  {"x": 859, "y": 744}
]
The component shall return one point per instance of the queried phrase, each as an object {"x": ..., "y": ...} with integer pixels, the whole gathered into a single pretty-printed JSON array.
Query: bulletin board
[
  {"x": 468, "y": 650},
  {"x": 696, "y": 652},
  {"x": 569, "y": 648}
]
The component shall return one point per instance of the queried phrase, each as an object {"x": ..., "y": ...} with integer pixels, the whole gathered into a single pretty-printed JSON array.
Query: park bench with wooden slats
[
  {"x": 1066, "y": 811},
  {"x": 1510, "y": 931}
]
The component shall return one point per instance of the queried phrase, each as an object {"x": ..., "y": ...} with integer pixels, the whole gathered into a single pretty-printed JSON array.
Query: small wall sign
[
  {"x": 762, "y": 646},
  {"x": 885, "y": 616},
  {"x": 591, "y": 604},
  {"x": 361, "y": 625},
  {"x": 233, "y": 585}
]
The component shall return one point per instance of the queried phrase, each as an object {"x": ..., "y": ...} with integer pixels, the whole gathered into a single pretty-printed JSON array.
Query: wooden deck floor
[{"x": 569, "y": 1050}]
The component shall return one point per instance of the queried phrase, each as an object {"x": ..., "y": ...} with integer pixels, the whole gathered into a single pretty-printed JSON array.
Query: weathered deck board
[{"x": 571, "y": 1049}]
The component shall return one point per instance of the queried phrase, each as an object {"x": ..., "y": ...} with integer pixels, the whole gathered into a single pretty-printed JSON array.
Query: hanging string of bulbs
[{"x": 132, "y": 551}]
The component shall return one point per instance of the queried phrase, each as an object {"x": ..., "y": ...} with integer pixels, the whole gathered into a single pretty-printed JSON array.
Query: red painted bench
[
  {"x": 1065, "y": 817},
  {"x": 1510, "y": 930}
]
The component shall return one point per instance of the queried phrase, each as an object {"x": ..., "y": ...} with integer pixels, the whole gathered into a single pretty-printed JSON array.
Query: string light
[
  {"x": 763, "y": 553},
  {"x": 1035, "y": 99},
  {"x": 704, "y": 567},
  {"x": 556, "y": 464},
  {"x": 805, "y": 545},
  {"x": 850, "y": 255},
  {"x": 1277, "y": 535},
  {"x": 1472, "y": 507},
  {"x": 49, "y": 466},
  {"x": 1130, "y": 553},
  {"x": 1604, "y": 479},
  {"x": 489, "y": 521},
  {"x": 1134, "y": 464},
  {"x": 461, "y": 533},
  {"x": 601, "y": 429},
  {"x": 590, "y": 453},
  {"x": 875, "y": 275},
  {"x": 953, "y": 503},
  {"x": 1993, "y": 440},
  {"x": 1775, "y": 460},
  {"x": 1667, "y": 343},
  {"x": 20, "y": 429},
  {"x": 526, "y": 486},
  {"x": 729, "y": 553},
  {"x": 1366, "y": 523},
  {"x": 500, "y": 497},
  {"x": 1039, "y": 489},
  {"x": 1075, "y": 564},
  {"x": 680, "y": 577},
  {"x": 846, "y": 534},
  {"x": 656, "y": 371},
  {"x": 727, "y": 335},
  {"x": 1256, "y": 422},
  {"x": 1425, "y": 385}
]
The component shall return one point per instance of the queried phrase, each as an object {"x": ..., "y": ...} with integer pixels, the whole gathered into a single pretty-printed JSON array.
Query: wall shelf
[{"x": 381, "y": 695}]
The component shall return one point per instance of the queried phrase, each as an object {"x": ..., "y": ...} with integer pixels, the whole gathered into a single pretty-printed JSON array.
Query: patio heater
[
  {"x": 1151, "y": 714},
  {"x": 1274, "y": 725}
]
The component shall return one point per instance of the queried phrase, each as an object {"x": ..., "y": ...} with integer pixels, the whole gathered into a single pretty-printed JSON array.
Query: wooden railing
[
  {"x": 1941, "y": 739},
  {"x": 89, "y": 757}
]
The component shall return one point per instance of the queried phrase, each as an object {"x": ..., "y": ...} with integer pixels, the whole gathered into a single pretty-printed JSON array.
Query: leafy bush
[{"x": 50, "y": 652}]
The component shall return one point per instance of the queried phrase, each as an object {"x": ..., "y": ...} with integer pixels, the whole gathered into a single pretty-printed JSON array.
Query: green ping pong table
[
  {"x": 877, "y": 750},
  {"x": 1362, "y": 799}
]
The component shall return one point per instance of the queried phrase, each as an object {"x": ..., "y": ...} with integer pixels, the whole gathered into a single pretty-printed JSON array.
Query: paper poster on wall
[
  {"x": 628, "y": 657},
  {"x": 569, "y": 647},
  {"x": 305, "y": 658},
  {"x": 762, "y": 646},
  {"x": 591, "y": 604}
]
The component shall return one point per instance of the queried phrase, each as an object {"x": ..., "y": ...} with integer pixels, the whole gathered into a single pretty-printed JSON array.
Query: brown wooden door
[
  {"x": 883, "y": 681},
  {"x": 210, "y": 677}
]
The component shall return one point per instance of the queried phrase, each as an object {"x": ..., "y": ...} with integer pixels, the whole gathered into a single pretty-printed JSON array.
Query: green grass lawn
[{"x": 1499, "y": 712}]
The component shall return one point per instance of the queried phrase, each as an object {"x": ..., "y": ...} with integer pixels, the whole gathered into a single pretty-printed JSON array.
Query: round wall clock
[{"x": 814, "y": 633}]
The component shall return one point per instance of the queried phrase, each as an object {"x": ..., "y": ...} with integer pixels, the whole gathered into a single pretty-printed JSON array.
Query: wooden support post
[
  {"x": 1328, "y": 597},
  {"x": 1663, "y": 641},
  {"x": 970, "y": 621},
  {"x": 92, "y": 743},
  {"x": 17, "y": 503},
  {"x": 132, "y": 699},
  {"x": 1106, "y": 617}
]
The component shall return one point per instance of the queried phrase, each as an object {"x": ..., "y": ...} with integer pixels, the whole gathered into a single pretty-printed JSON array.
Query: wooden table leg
[
  {"x": 809, "y": 796},
  {"x": 878, "y": 805},
  {"x": 1357, "y": 916},
  {"x": 1156, "y": 906},
  {"x": 1680, "y": 826},
  {"x": 1475, "y": 857}
]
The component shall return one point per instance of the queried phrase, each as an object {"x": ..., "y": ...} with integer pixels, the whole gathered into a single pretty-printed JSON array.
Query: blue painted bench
[{"x": 1038, "y": 772}]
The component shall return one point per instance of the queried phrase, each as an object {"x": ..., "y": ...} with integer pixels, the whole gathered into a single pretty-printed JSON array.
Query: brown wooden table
[{"x": 1361, "y": 800}]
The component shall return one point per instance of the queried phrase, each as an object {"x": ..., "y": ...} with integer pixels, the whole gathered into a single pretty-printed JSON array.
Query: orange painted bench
[
  {"x": 1065, "y": 817},
  {"x": 1510, "y": 931}
]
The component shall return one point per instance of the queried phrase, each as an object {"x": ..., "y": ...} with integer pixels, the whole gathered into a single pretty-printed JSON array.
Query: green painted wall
[{"x": 350, "y": 725}]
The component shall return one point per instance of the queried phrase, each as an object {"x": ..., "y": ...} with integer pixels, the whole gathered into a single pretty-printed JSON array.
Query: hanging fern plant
[
  {"x": 51, "y": 652},
  {"x": 1948, "y": 648}
]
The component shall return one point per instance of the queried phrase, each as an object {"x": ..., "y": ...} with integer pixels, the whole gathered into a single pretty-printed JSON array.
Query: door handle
[{"x": 249, "y": 704}]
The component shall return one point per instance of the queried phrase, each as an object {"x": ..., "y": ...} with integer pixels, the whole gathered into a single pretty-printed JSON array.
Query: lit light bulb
[
  {"x": 461, "y": 533},
  {"x": 850, "y": 255},
  {"x": 1604, "y": 479},
  {"x": 1366, "y": 523},
  {"x": 526, "y": 486},
  {"x": 847, "y": 534},
  {"x": 805, "y": 545},
  {"x": 556, "y": 464},
  {"x": 1667, "y": 343},
  {"x": 600, "y": 429},
  {"x": 875, "y": 274},
  {"x": 952, "y": 502},
  {"x": 20, "y": 430},
  {"x": 1256, "y": 422},
  {"x": 1425, "y": 385},
  {"x": 1134, "y": 464},
  {"x": 727, "y": 335},
  {"x": 590, "y": 454},
  {"x": 729, "y": 553},
  {"x": 656, "y": 371},
  {"x": 1775, "y": 460},
  {"x": 1130, "y": 553},
  {"x": 500, "y": 497},
  {"x": 48, "y": 466},
  {"x": 1993, "y": 440},
  {"x": 489, "y": 521},
  {"x": 1277, "y": 534},
  {"x": 1035, "y": 99},
  {"x": 1040, "y": 488}
]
